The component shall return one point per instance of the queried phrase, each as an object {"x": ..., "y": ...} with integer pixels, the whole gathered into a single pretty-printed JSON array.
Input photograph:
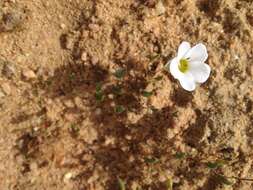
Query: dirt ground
[{"x": 86, "y": 105}]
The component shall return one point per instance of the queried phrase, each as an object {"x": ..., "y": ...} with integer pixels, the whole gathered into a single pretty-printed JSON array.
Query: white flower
[{"x": 189, "y": 67}]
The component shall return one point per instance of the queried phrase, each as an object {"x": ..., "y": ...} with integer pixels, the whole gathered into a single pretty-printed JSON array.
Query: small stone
[
  {"x": 132, "y": 74},
  {"x": 67, "y": 177},
  {"x": 69, "y": 42},
  {"x": 78, "y": 102},
  {"x": 36, "y": 129},
  {"x": 94, "y": 27},
  {"x": 109, "y": 140},
  {"x": 34, "y": 166},
  {"x": 160, "y": 9},
  {"x": 2, "y": 94},
  {"x": 128, "y": 137},
  {"x": 112, "y": 104},
  {"x": 110, "y": 96},
  {"x": 94, "y": 60},
  {"x": 69, "y": 104},
  {"x": 131, "y": 158},
  {"x": 84, "y": 56},
  {"x": 162, "y": 177},
  {"x": 236, "y": 57},
  {"x": 63, "y": 26},
  {"x": 6, "y": 88},
  {"x": 29, "y": 74},
  {"x": 98, "y": 111}
]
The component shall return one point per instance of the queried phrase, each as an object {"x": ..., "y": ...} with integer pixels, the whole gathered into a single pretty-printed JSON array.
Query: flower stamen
[{"x": 183, "y": 65}]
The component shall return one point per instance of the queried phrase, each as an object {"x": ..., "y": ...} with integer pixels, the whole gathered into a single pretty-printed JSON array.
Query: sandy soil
[{"x": 85, "y": 104}]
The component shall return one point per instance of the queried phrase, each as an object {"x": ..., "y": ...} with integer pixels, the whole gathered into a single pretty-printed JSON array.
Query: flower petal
[
  {"x": 187, "y": 82},
  {"x": 184, "y": 47},
  {"x": 174, "y": 70},
  {"x": 197, "y": 53},
  {"x": 200, "y": 72}
]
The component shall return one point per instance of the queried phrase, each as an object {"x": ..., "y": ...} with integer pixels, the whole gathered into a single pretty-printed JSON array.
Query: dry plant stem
[
  {"x": 241, "y": 179},
  {"x": 233, "y": 177}
]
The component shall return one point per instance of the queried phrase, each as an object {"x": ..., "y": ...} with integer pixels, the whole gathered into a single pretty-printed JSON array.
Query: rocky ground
[{"x": 86, "y": 105}]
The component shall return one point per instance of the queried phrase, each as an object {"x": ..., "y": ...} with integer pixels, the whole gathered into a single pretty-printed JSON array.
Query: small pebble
[
  {"x": 6, "y": 88},
  {"x": 160, "y": 9},
  {"x": 111, "y": 96},
  {"x": 69, "y": 43},
  {"x": 94, "y": 60},
  {"x": 63, "y": 26},
  {"x": 29, "y": 74},
  {"x": 78, "y": 102},
  {"x": 67, "y": 177},
  {"x": 84, "y": 56},
  {"x": 2, "y": 94},
  {"x": 98, "y": 111},
  {"x": 69, "y": 103},
  {"x": 34, "y": 166}
]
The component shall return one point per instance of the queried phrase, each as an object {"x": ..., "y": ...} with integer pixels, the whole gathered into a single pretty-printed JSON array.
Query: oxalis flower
[{"x": 189, "y": 66}]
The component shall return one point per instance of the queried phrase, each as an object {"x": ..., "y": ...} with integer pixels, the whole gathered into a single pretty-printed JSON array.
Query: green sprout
[
  {"x": 72, "y": 76},
  {"x": 99, "y": 93},
  {"x": 169, "y": 184},
  {"x": 152, "y": 160},
  {"x": 214, "y": 165},
  {"x": 180, "y": 155},
  {"x": 120, "y": 109},
  {"x": 120, "y": 73},
  {"x": 158, "y": 78},
  {"x": 222, "y": 179},
  {"x": 122, "y": 184},
  {"x": 147, "y": 94}
]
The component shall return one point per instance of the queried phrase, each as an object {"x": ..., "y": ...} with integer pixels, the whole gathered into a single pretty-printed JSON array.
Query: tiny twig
[
  {"x": 241, "y": 179},
  {"x": 233, "y": 177}
]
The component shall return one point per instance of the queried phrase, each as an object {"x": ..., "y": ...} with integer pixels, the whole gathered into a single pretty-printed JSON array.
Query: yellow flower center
[{"x": 183, "y": 65}]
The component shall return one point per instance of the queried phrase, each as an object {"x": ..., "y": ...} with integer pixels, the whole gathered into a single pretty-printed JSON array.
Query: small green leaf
[
  {"x": 169, "y": 184},
  {"x": 152, "y": 160},
  {"x": 180, "y": 155},
  {"x": 224, "y": 180},
  {"x": 158, "y": 78},
  {"x": 120, "y": 73},
  {"x": 120, "y": 109},
  {"x": 72, "y": 76},
  {"x": 122, "y": 184},
  {"x": 154, "y": 57},
  {"x": 174, "y": 114},
  {"x": 98, "y": 87},
  {"x": 213, "y": 165},
  {"x": 147, "y": 94},
  {"x": 99, "y": 96}
]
